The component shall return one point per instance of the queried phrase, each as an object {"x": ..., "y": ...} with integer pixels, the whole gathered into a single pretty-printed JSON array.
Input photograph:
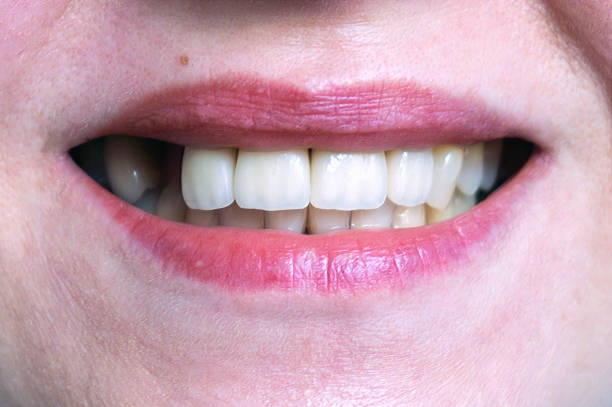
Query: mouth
[{"x": 250, "y": 185}]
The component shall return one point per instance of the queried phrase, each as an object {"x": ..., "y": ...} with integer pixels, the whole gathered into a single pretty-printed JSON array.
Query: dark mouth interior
[{"x": 92, "y": 158}]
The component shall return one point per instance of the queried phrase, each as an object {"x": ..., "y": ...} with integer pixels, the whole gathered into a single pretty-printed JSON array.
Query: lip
[{"x": 255, "y": 114}]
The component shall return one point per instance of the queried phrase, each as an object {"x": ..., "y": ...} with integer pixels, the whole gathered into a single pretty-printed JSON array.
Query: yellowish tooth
[
  {"x": 132, "y": 165},
  {"x": 290, "y": 220},
  {"x": 327, "y": 220},
  {"x": 202, "y": 218},
  {"x": 235, "y": 216},
  {"x": 472, "y": 170},
  {"x": 373, "y": 218},
  {"x": 410, "y": 176},
  {"x": 409, "y": 217},
  {"x": 170, "y": 205},
  {"x": 447, "y": 164},
  {"x": 459, "y": 204}
]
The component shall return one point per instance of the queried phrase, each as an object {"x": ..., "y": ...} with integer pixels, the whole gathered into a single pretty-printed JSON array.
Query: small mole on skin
[{"x": 184, "y": 59}]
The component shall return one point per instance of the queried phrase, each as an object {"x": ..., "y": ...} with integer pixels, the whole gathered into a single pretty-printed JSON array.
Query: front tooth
[
  {"x": 208, "y": 178},
  {"x": 132, "y": 165},
  {"x": 348, "y": 181},
  {"x": 459, "y": 204},
  {"x": 447, "y": 165},
  {"x": 272, "y": 181},
  {"x": 202, "y": 218},
  {"x": 373, "y": 218},
  {"x": 409, "y": 217},
  {"x": 238, "y": 217},
  {"x": 170, "y": 205},
  {"x": 410, "y": 176},
  {"x": 324, "y": 220},
  {"x": 492, "y": 155},
  {"x": 471, "y": 173},
  {"x": 292, "y": 220}
]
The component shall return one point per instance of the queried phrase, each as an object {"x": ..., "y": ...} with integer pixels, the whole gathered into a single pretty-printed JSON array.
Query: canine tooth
[
  {"x": 272, "y": 181},
  {"x": 459, "y": 204},
  {"x": 170, "y": 205},
  {"x": 472, "y": 170},
  {"x": 373, "y": 218},
  {"x": 447, "y": 164},
  {"x": 208, "y": 178},
  {"x": 148, "y": 201},
  {"x": 492, "y": 155},
  {"x": 238, "y": 217},
  {"x": 409, "y": 216},
  {"x": 132, "y": 165},
  {"x": 327, "y": 220},
  {"x": 291, "y": 220},
  {"x": 202, "y": 218},
  {"x": 348, "y": 181},
  {"x": 410, "y": 176}
]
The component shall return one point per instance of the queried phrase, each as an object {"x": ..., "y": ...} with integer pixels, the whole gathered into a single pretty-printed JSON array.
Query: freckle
[{"x": 184, "y": 59}]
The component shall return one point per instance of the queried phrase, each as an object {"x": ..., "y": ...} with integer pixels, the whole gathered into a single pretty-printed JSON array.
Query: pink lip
[{"x": 265, "y": 115}]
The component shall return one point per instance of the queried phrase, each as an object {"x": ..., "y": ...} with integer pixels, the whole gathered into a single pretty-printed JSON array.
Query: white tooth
[
  {"x": 324, "y": 220},
  {"x": 447, "y": 164},
  {"x": 492, "y": 154},
  {"x": 132, "y": 165},
  {"x": 409, "y": 216},
  {"x": 170, "y": 205},
  {"x": 202, "y": 218},
  {"x": 459, "y": 204},
  {"x": 373, "y": 218},
  {"x": 348, "y": 181},
  {"x": 148, "y": 201},
  {"x": 292, "y": 220},
  {"x": 272, "y": 181},
  {"x": 208, "y": 178},
  {"x": 235, "y": 216},
  {"x": 410, "y": 176},
  {"x": 472, "y": 170}
]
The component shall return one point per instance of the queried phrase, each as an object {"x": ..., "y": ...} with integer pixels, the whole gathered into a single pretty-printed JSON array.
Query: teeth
[
  {"x": 459, "y": 204},
  {"x": 373, "y": 218},
  {"x": 148, "y": 201},
  {"x": 324, "y": 220},
  {"x": 132, "y": 165},
  {"x": 348, "y": 181},
  {"x": 170, "y": 205},
  {"x": 447, "y": 164},
  {"x": 272, "y": 181},
  {"x": 208, "y": 178},
  {"x": 492, "y": 155},
  {"x": 410, "y": 176},
  {"x": 292, "y": 220},
  {"x": 472, "y": 171},
  {"x": 235, "y": 216},
  {"x": 202, "y": 218},
  {"x": 409, "y": 217}
]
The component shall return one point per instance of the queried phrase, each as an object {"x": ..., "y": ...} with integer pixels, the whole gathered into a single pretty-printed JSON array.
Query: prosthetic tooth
[
  {"x": 373, "y": 218},
  {"x": 447, "y": 165},
  {"x": 472, "y": 170},
  {"x": 235, "y": 216},
  {"x": 208, "y": 178},
  {"x": 272, "y": 181},
  {"x": 170, "y": 205},
  {"x": 459, "y": 204},
  {"x": 202, "y": 218},
  {"x": 492, "y": 155},
  {"x": 132, "y": 166},
  {"x": 324, "y": 220},
  {"x": 409, "y": 217},
  {"x": 292, "y": 220},
  {"x": 348, "y": 181},
  {"x": 410, "y": 176}
]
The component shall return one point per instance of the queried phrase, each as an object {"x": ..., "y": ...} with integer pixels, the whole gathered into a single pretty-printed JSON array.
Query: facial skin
[{"x": 86, "y": 319}]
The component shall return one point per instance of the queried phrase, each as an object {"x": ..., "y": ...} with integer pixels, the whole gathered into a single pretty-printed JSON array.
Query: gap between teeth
[{"x": 297, "y": 189}]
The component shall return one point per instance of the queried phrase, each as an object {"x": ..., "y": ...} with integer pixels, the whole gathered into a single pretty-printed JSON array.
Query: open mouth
[{"x": 238, "y": 193}]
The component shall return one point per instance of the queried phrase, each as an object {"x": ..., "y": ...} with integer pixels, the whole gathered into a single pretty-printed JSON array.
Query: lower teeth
[{"x": 286, "y": 191}]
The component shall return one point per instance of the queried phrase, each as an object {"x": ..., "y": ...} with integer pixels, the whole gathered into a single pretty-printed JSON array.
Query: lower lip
[{"x": 350, "y": 261}]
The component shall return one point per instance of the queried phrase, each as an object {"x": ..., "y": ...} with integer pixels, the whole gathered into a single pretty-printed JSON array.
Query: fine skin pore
[{"x": 87, "y": 319}]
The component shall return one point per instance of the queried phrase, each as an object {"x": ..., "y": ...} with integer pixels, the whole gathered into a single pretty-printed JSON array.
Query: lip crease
[{"x": 258, "y": 114}]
